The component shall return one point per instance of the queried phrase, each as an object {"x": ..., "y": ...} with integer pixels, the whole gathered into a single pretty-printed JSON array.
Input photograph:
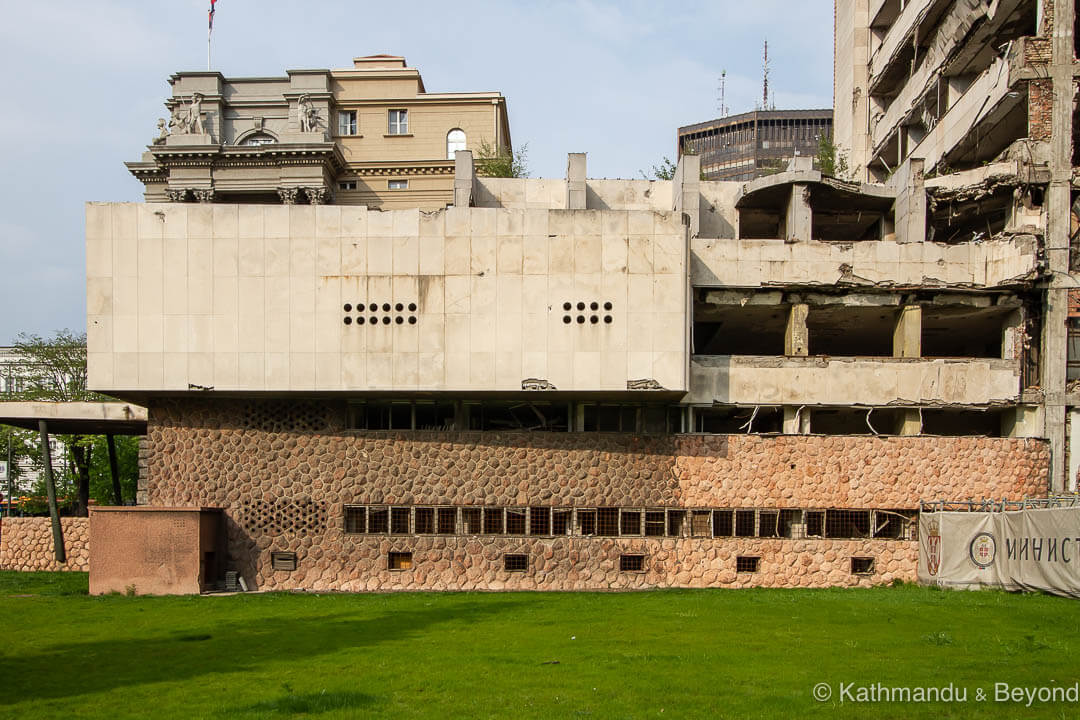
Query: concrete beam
[
  {"x": 686, "y": 190},
  {"x": 796, "y": 420},
  {"x": 910, "y": 422}
]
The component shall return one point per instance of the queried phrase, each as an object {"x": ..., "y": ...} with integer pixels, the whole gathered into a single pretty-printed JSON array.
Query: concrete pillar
[
  {"x": 797, "y": 337},
  {"x": 686, "y": 190},
  {"x": 800, "y": 220},
  {"x": 575, "y": 181},
  {"x": 1074, "y": 450},
  {"x": 910, "y": 422},
  {"x": 1053, "y": 371},
  {"x": 1012, "y": 335},
  {"x": 796, "y": 420},
  {"x": 907, "y": 336},
  {"x": 464, "y": 178},
  {"x": 909, "y": 210}
]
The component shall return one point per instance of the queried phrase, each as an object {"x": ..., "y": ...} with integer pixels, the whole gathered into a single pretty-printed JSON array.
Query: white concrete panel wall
[{"x": 251, "y": 297}]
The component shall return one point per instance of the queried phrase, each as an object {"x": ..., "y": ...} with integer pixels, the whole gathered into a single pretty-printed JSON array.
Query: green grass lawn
[{"x": 668, "y": 654}]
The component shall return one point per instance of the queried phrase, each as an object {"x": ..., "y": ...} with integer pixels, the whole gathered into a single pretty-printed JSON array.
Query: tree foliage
[
  {"x": 664, "y": 171},
  {"x": 492, "y": 161},
  {"x": 830, "y": 161}
]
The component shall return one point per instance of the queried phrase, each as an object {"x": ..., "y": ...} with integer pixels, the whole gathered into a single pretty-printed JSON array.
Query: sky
[{"x": 86, "y": 82}]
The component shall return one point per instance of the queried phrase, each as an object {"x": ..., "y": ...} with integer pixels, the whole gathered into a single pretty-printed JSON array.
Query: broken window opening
[
  {"x": 768, "y": 524},
  {"x": 862, "y": 566},
  {"x": 676, "y": 520},
  {"x": 851, "y": 331},
  {"x": 734, "y": 420},
  {"x": 723, "y": 329},
  {"x": 895, "y": 524},
  {"x": 700, "y": 521},
  {"x": 470, "y": 520},
  {"x": 399, "y": 561},
  {"x": 855, "y": 421},
  {"x": 958, "y": 331},
  {"x": 962, "y": 423},
  {"x": 815, "y": 523},
  {"x": 378, "y": 521},
  {"x": 561, "y": 522},
  {"x": 586, "y": 522}
]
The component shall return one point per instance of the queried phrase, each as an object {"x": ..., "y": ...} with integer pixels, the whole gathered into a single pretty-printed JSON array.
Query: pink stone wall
[
  {"x": 283, "y": 471},
  {"x": 27, "y": 544}
]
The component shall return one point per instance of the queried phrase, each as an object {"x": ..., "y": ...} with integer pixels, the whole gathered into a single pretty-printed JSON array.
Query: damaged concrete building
[{"x": 577, "y": 383}]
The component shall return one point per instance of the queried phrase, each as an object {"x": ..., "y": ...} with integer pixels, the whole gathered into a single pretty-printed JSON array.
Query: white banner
[{"x": 1016, "y": 550}]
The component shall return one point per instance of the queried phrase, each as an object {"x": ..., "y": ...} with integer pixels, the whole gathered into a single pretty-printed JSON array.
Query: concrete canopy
[{"x": 77, "y": 418}]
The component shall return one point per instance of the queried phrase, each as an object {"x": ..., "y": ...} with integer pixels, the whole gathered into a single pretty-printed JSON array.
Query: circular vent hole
[
  {"x": 581, "y": 306},
  {"x": 359, "y": 319},
  {"x": 348, "y": 320},
  {"x": 581, "y": 319},
  {"x": 399, "y": 307},
  {"x": 412, "y": 319},
  {"x": 567, "y": 319},
  {"x": 593, "y": 319},
  {"x": 386, "y": 320},
  {"x": 386, "y": 307},
  {"x": 348, "y": 307},
  {"x": 374, "y": 320},
  {"x": 373, "y": 307},
  {"x": 567, "y": 306},
  {"x": 399, "y": 320},
  {"x": 412, "y": 307},
  {"x": 607, "y": 319},
  {"x": 594, "y": 305},
  {"x": 607, "y": 305}
]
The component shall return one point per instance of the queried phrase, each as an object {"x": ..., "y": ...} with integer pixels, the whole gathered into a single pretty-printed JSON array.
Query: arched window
[
  {"x": 258, "y": 139},
  {"x": 455, "y": 140}
]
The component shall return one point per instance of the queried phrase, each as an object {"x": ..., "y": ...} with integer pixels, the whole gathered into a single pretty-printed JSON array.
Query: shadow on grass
[
  {"x": 304, "y": 704},
  {"x": 222, "y": 648}
]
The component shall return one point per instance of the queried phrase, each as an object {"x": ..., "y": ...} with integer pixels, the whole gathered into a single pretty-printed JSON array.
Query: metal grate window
[
  {"x": 515, "y": 562},
  {"x": 399, "y": 561},
  {"x": 355, "y": 519},
  {"x": 747, "y": 564},
  {"x": 862, "y": 566},
  {"x": 632, "y": 563}
]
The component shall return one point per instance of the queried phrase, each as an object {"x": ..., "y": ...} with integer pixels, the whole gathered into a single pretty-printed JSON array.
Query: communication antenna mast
[
  {"x": 722, "y": 108},
  {"x": 765, "y": 87}
]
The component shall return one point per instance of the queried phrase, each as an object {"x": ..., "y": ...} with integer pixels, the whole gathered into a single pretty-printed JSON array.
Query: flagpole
[{"x": 208, "y": 33}]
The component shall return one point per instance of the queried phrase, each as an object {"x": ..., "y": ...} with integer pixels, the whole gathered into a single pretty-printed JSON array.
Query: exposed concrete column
[
  {"x": 907, "y": 336},
  {"x": 797, "y": 336},
  {"x": 800, "y": 219},
  {"x": 796, "y": 420},
  {"x": 464, "y": 178},
  {"x": 910, "y": 422},
  {"x": 1012, "y": 336},
  {"x": 686, "y": 190},
  {"x": 575, "y": 181},
  {"x": 910, "y": 208},
  {"x": 1058, "y": 203}
]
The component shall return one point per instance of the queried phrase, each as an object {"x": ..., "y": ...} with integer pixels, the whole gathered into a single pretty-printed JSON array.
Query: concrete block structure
[{"x": 575, "y": 383}]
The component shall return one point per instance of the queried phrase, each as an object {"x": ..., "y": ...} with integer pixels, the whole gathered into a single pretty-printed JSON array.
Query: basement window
[
  {"x": 676, "y": 522},
  {"x": 847, "y": 523},
  {"x": 586, "y": 522},
  {"x": 560, "y": 522},
  {"x": 862, "y": 566},
  {"x": 607, "y": 522},
  {"x": 515, "y": 562},
  {"x": 630, "y": 522},
  {"x": 747, "y": 563},
  {"x": 447, "y": 521},
  {"x": 744, "y": 523},
  {"x": 399, "y": 521},
  {"x": 632, "y": 563},
  {"x": 425, "y": 521},
  {"x": 699, "y": 523},
  {"x": 850, "y": 331},
  {"x": 378, "y": 521},
  {"x": 515, "y": 521},
  {"x": 470, "y": 521},
  {"x": 723, "y": 523},
  {"x": 654, "y": 523},
  {"x": 493, "y": 521},
  {"x": 355, "y": 519},
  {"x": 539, "y": 521},
  {"x": 399, "y": 561},
  {"x": 283, "y": 561}
]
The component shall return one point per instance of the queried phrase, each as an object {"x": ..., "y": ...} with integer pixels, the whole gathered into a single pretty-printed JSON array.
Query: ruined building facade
[{"x": 576, "y": 383}]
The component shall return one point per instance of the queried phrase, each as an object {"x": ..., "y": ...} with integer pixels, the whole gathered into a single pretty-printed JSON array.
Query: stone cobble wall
[
  {"x": 27, "y": 544},
  {"x": 284, "y": 471}
]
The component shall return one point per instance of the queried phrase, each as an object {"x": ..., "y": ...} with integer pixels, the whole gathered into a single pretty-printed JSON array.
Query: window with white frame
[
  {"x": 398, "y": 122},
  {"x": 346, "y": 122},
  {"x": 455, "y": 140}
]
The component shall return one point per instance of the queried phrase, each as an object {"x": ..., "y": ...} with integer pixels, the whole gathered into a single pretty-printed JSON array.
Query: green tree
[
  {"x": 830, "y": 161},
  {"x": 664, "y": 171},
  {"x": 127, "y": 462},
  {"x": 492, "y": 161},
  {"x": 55, "y": 371}
]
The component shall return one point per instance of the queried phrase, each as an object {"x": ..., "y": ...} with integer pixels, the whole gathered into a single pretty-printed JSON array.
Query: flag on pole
[{"x": 211, "y": 16}]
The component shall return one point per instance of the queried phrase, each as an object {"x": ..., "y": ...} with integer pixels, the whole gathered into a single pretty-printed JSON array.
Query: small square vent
[{"x": 283, "y": 561}]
